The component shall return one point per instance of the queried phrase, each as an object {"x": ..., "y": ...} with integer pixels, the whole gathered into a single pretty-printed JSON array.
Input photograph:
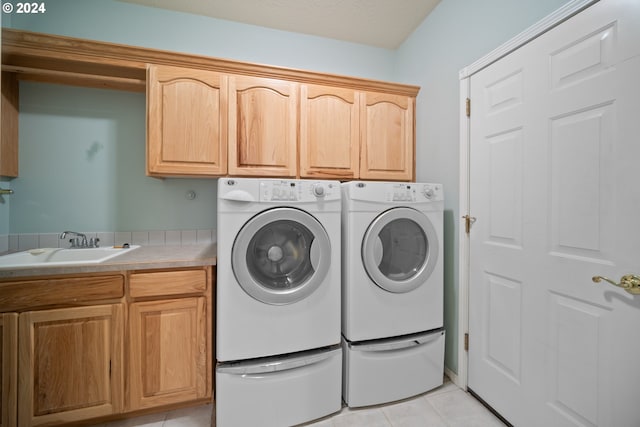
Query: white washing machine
[
  {"x": 392, "y": 301},
  {"x": 277, "y": 301}
]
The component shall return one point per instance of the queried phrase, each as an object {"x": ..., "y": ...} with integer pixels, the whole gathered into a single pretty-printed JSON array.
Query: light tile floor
[{"x": 446, "y": 406}]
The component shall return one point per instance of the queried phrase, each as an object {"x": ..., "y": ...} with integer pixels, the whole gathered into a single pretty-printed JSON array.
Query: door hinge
[
  {"x": 466, "y": 342},
  {"x": 468, "y": 107}
]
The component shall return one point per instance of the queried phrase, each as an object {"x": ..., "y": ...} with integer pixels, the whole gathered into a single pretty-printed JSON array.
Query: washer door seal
[
  {"x": 281, "y": 256},
  {"x": 400, "y": 249}
]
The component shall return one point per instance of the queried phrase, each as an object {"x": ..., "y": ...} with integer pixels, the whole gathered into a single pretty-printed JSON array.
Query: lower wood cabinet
[
  {"x": 170, "y": 336},
  {"x": 122, "y": 343},
  {"x": 168, "y": 357},
  {"x": 70, "y": 364},
  {"x": 8, "y": 369}
]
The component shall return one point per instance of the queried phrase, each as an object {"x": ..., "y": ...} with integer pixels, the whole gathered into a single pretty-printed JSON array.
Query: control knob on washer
[{"x": 318, "y": 190}]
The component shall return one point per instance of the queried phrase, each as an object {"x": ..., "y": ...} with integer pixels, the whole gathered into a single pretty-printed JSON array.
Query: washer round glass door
[
  {"x": 281, "y": 256},
  {"x": 400, "y": 249}
]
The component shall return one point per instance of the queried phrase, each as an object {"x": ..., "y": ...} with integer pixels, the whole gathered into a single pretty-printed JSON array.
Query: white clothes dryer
[
  {"x": 392, "y": 290},
  {"x": 392, "y": 265},
  {"x": 278, "y": 267}
]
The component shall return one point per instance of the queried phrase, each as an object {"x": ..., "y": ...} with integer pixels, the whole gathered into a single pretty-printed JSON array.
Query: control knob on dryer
[{"x": 428, "y": 192}]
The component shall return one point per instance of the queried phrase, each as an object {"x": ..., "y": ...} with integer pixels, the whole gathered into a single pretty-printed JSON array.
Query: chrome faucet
[{"x": 80, "y": 241}]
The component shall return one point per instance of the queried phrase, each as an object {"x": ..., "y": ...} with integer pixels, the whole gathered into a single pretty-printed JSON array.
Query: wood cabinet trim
[
  {"x": 9, "y": 366},
  {"x": 9, "y": 130},
  {"x": 48, "y": 57},
  {"x": 168, "y": 283},
  {"x": 29, "y": 294}
]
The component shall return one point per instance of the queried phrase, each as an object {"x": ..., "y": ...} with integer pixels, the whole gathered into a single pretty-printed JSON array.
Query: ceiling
[{"x": 379, "y": 23}]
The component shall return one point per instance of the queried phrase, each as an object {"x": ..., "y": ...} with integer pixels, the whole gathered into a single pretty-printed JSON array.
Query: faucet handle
[{"x": 93, "y": 242}]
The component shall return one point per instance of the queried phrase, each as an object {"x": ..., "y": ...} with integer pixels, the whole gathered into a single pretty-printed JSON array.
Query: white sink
[{"x": 59, "y": 256}]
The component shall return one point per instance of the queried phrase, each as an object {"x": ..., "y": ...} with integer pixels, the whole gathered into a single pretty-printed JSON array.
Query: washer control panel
[{"x": 298, "y": 191}]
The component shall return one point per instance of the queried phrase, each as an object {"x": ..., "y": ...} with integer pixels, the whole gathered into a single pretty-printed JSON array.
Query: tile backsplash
[{"x": 26, "y": 241}]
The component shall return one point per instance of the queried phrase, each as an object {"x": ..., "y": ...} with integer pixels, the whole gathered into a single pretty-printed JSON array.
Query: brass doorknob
[{"x": 628, "y": 282}]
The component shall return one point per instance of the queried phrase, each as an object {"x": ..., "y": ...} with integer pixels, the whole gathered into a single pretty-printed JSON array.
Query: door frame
[{"x": 552, "y": 20}]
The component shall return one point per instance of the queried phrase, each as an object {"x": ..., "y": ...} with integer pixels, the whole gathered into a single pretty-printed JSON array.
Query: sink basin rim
[{"x": 45, "y": 257}]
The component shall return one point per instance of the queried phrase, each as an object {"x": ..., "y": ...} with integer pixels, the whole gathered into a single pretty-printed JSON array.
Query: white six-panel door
[{"x": 554, "y": 172}]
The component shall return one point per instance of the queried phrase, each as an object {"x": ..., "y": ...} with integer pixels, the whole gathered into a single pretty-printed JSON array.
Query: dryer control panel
[
  {"x": 405, "y": 192},
  {"x": 394, "y": 193}
]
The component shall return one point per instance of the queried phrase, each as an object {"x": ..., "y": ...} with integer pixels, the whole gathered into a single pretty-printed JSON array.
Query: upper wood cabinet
[
  {"x": 329, "y": 132},
  {"x": 9, "y": 126},
  {"x": 212, "y": 117},
  {"x": 263, "y": 124},
  {"x": 186, "y": 122},
  {"x": 387, "y": 137}
]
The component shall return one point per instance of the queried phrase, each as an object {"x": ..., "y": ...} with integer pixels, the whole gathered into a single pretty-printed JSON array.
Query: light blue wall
[
  {"x": 101, "y": 139},
  {"x": 82, "y": 163},
  {"x": 82, "y": 150},
  {"x": 454, "y": 35}
]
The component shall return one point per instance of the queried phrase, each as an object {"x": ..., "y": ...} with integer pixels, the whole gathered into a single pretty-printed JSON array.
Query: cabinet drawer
[
  {"x": 163, "y": 283},
  {"x": 22, "y": 294}
]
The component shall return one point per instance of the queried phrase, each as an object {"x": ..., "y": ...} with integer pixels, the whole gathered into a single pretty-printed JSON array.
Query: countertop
[{"x": 142, "y": 258}]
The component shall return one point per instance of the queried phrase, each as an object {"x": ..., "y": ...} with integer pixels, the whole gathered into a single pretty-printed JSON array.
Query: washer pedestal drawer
[
  {"x": 381, "y": 371},
  {"x": 279, "y": 391}
]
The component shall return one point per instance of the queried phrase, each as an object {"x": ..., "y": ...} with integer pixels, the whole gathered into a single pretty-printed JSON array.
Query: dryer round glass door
[
  {"x": 281, "y": 256},
  {"x": 400, "y": 249}
]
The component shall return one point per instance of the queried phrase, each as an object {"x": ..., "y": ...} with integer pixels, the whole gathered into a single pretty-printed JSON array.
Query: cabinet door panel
[
  {"x": 329, "y": 132},
  {"x": 9, "y": 369},
  {"x": 186, "y": 122},
  {"x": 9, "y": 125},
  {"x": 70, "y": 364},
  {"x": 168, "y": 357},
  {"x": 262, "y": 126},
  {"x": 387, "y": 137}
]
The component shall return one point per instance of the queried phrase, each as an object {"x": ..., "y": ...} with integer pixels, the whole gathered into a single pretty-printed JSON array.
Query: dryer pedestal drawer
[
  {"x": 279, "y": 391},
  {"x": 387, "y": 370}
]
